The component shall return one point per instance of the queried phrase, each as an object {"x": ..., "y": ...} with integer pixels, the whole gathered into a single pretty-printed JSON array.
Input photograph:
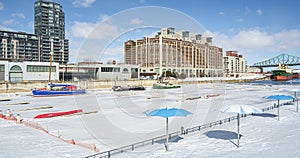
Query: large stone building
[
  {"x": 49, "y": 24},
  {"x": 19, "y": 46},
  {"x": 234, "y": 64},
  {"x": 192, "y": 55}
]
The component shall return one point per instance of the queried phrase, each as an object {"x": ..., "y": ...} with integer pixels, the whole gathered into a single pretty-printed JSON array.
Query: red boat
[
  {"x": 295, "y": 75},
  {"x": 55, "y": 114},
  {"x": 282, "y": 78},
  {"x": 281, "y": 75}
]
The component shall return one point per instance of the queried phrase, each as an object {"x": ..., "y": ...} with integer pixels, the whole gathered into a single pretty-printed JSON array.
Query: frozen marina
[{"x": 120, "y": 120}]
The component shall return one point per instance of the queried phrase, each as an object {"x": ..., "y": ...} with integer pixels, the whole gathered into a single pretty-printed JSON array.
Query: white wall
[
  {"x": 31, "y": 76},
  {"x": 116, "y": 75}
]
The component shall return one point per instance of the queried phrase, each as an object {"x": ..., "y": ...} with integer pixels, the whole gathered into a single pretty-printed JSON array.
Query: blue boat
[{"x": 58, "y": 89}]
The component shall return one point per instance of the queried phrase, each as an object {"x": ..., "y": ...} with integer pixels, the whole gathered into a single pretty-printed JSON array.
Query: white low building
[
  {"x": 99, "y": 71},
  {"x": 28, "y": 71},
  {"x": 118, "y": 72}
]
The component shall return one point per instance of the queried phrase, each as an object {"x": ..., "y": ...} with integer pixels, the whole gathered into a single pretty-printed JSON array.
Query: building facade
[
  {"x": 19, "y": 46},
  {"x": 180, "y": 52},
  {"x": 49, "y": 25},
  {"x": 234, "y": 64},
  {"x": 28, "y": 71},
  {"x": 98, "y": 71}
]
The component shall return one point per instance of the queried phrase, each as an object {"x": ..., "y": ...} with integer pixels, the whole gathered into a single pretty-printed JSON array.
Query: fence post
[{"x": 182, "y": 130}]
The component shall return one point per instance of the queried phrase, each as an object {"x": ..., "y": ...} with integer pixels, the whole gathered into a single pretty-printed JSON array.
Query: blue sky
[{"x": 258, "y": 29}]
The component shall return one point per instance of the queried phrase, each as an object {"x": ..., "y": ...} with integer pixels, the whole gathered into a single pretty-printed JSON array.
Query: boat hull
[
  {"x": 55, "y": 114},
  {"x": 133, "y": 88},
  {"x": 163, "y": 86},
  {"x": 283, "y": 78},
  {"x": 56, "y": 93}
]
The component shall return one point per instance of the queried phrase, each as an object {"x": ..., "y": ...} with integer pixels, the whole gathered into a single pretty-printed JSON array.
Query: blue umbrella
[
  {"x": 280, "y": 97},
  {"x": 166, "y": 113},
  {"x": 241, "y": 109}
]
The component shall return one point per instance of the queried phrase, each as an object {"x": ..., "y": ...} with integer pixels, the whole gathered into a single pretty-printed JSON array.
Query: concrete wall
[
  {"x": 28, "y": 86},
  {"x": 30, "y": 76}
]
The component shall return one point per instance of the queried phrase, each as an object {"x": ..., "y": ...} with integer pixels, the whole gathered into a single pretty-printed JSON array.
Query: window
[
  {"x": 37, "y": 68},
  {"x": 16, "y": 68},
  {"x": 110, "y": 69},
  {"x": 134, "y": 70},
  {"x": 2, "y": 68}
]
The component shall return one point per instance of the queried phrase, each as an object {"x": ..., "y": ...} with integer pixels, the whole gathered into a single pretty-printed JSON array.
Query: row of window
[
  {"x": 110, "y": 69},
  {"x": 30, "y": 68},
  {"x": 37, "y": 68}
]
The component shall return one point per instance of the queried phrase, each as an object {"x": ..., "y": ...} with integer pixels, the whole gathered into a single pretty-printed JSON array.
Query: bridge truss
[{"x": 284, "y": 59}]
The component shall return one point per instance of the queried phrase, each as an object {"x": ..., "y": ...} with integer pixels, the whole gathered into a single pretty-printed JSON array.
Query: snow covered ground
[{"x": 120, "y": 120}]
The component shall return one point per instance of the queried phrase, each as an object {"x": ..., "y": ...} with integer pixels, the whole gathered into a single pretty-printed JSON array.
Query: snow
[
  {"x": 120, "y": 121},
  {"x": 245, "y": 76}
]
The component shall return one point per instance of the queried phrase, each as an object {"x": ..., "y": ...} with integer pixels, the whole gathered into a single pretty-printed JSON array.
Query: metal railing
[{"x": 132, "y": 147}]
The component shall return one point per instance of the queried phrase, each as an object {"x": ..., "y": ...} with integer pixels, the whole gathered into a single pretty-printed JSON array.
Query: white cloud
[
  {"x": 104, "y": 17},
  {"x": 240, "y": 20},
  {"x": 256, "y": 44},
  {"x": 114, "y": 51},
  {"x": 18, "y": 15},
  {"x": 10, "y": 22},
  {"x": 30, "y": 25},
  {"x": 247, "y": 10},
  {"x": 1, "y": 6},
  {"x": 253, "y": 42},
  {"x": 5, "y": 28},
  {"x": 82, "y": 29},
  {"x": 259, "y": 12},
  {"x": 221, "y": 13},
  {"x": 83, "y": 3},
  {"x": 254, "y": 38},
  {"x": 142, "y": 1},
  {"x": 93, "y": 30},
  {"x": 136, "y": 21},
  {"x": 288, "y": 40}
]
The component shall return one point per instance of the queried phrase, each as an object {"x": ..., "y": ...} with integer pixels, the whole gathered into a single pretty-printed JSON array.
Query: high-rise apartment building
[
  {"x": 19, "y": 46},
  {"x": 49, "y": 24},
  {"x": 180, "y": 52},
  {"x": 234, "y": 64}
]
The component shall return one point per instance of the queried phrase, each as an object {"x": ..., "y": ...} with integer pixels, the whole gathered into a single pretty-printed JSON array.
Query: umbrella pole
[
  {"x": 297, "y": 100},
  {"x": 278, "y": 110},
  {"x": 238, "y": 129},
  {"x": 297, "y": 105},
  {"x": 167, "y": 133}
]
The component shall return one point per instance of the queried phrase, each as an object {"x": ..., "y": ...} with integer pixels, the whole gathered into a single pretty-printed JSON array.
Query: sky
[{"x": 97, "y": 29}]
